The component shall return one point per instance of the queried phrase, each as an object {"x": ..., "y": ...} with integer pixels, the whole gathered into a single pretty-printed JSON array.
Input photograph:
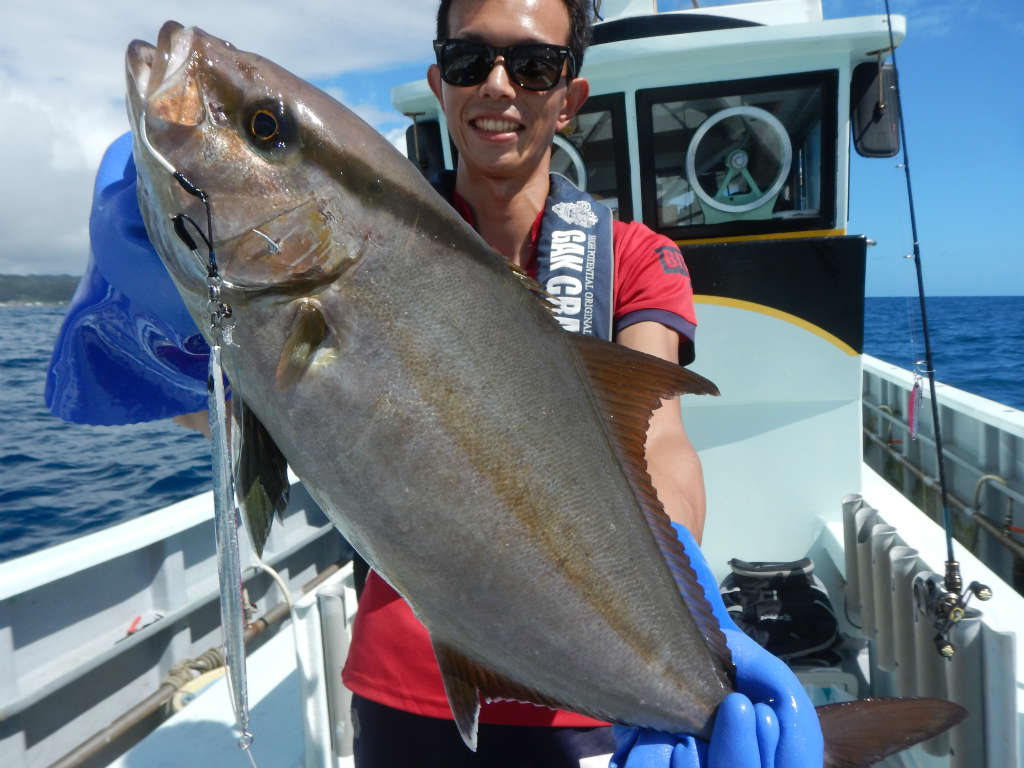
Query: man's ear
[
  {"x": 575, "y": 94},
  {"x": 434, "y": 81}
]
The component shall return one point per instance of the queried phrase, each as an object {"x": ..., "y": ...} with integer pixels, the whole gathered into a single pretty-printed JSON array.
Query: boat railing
[
  {"x": 983, "y": 453},
  {"x": 891, "y": 553},
  {"x": 134, "y": 601}
]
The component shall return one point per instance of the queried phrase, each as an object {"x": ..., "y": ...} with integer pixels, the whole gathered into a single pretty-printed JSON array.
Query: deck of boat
[{"x": 203, "y": 732}]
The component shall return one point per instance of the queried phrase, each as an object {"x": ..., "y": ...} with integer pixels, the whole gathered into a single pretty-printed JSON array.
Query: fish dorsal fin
[
  {"x": 629, "y": 385},
  {"x": 466, "y": 682},
  {"x": 261, "y": 473}
]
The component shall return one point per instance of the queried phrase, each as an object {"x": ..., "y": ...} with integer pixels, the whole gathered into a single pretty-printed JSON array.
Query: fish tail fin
[{"x": 863, "y": 732}]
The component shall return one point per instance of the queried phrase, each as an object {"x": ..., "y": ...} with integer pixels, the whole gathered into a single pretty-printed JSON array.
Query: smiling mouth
[{"x": 496, "y": 126}]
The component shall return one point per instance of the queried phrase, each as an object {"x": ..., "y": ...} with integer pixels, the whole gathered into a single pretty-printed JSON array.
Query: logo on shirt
[
  {"x": 671, "y": 260},
  {"x": 579, "y": 214}
]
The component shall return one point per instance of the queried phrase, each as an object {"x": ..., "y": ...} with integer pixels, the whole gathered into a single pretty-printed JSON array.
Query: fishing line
[{"x": 954, "y": 601}]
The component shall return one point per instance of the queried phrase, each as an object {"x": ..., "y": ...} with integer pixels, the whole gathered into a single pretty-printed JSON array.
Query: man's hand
[
  {"x": 745, "y": 736},
  {"x": 198, "y": 422},
  {"x": 771, "y": 725}
]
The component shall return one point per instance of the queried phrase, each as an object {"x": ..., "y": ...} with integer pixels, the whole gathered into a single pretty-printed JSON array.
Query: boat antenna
[{"x": 948, "y": 607}]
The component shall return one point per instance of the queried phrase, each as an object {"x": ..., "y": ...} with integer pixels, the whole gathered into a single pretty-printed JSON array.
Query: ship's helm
[
  {"x": 566, "y": 160},
  {"x": 743, "y": 154}
]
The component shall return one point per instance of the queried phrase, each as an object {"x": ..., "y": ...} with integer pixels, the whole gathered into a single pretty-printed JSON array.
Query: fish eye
[
  {"x": 263, "y": 125},
  {"x": 268, "y": 125}
]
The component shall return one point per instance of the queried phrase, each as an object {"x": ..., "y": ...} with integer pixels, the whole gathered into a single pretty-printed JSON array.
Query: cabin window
[
  {"x": 593, "y": 147},
  {"x": 741, "y": 157}
]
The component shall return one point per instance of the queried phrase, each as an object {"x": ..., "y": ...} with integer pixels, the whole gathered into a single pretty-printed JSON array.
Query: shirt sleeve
[{"x": 653, "y": 283}]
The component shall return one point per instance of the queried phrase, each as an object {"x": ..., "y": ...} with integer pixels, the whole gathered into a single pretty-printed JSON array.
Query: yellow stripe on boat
[
  {"x": 750, "y": 306},
  {"x": 765, "y": 236}
]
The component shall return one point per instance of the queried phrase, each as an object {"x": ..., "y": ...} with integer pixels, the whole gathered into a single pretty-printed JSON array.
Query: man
[
  {"x": 503, "y": 108},
  {"x": 503, "y": 133},
  {"x": 507, "y": 85}
]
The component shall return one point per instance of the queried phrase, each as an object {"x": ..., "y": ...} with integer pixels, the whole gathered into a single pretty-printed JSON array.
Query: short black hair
[{"x": 580, "y": 14}]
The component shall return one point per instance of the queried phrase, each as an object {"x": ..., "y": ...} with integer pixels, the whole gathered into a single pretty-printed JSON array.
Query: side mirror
[{"x": 875, "y": 110}]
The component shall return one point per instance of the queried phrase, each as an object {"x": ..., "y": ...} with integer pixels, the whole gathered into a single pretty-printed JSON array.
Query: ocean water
[
  {"x": 60, "y": 480},
  {"x": 977, "y": 342}
]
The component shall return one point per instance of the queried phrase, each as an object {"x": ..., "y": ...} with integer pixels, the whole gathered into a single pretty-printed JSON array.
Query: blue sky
[
  {"x": 963, "y": 106},
  {"x": 959, "y": 70}
]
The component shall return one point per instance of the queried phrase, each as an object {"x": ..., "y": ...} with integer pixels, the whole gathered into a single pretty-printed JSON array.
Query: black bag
[{"x": 785, "y": 608}]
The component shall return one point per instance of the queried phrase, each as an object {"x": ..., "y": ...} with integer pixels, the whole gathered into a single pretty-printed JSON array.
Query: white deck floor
[
  {"x": 203, "y": 733},
  {"x": 286, "y": 713}
]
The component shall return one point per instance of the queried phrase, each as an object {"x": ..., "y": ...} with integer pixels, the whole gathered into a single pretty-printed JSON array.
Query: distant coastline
[{"x": 37, "y": 289}]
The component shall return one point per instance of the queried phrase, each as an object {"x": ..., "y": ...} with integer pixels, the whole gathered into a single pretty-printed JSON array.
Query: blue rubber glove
[
  {"x": 780, "y": 731},
  {"x": 743, "y": 732},
  {"x": 128, "y": 350}
]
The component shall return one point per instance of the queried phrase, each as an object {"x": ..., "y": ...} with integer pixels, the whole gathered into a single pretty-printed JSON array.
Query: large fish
[{"x": 486, "y": 463}]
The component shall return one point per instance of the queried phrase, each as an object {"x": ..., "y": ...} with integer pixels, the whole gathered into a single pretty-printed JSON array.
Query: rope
[{"x": 181, "y": 673}]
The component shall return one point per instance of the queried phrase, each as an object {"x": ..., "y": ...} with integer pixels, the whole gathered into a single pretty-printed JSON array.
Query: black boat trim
[
  {"x": 819, "y": 280},
  {"x": 657, "y": 25}
]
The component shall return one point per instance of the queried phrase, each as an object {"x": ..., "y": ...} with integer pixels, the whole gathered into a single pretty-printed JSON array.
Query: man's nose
[{"x": 498, "y": 84}]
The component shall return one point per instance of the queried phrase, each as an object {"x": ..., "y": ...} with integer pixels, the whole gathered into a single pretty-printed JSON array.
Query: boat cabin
[{"x": 728, "y": 129}]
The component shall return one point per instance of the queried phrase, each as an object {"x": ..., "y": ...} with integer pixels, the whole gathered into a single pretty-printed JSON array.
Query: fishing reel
[{"x": 943, "y": 602}]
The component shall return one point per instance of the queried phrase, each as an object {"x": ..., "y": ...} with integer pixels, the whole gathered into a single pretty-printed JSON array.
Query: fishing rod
[{"x": 945, "y": 602}]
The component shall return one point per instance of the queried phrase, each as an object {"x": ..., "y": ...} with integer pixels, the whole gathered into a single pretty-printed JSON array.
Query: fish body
[
  {"x": 439, "y": 414},
  {"x": 486, "y": 463}
]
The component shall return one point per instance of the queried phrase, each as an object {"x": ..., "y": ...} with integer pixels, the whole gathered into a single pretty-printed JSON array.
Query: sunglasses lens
[
  {"x": 465, "y": 63},
  {"x": 536, "y": 67}
]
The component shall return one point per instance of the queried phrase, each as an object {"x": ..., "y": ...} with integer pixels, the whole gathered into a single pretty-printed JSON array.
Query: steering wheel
[
  {"x": 564, "y": 145},
  {"x": 738, "y": 159}
]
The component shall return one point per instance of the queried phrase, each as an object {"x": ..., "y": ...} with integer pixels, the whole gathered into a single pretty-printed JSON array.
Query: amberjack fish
[{"x": 489, "y": 465}]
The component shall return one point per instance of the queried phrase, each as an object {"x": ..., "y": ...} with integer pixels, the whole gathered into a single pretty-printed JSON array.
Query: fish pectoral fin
[
  {"x": 308, "y": 331},
  {"x": 863, "y": 732},
  {"x": 261, "y": 473},
  {"x": 466, "y": 681}
]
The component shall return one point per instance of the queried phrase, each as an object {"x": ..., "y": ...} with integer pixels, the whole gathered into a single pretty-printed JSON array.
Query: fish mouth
[{"x": 161, "y": 80}]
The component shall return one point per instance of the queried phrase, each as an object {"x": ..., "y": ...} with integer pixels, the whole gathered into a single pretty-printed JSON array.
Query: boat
[{"x": 730, "y": 129}]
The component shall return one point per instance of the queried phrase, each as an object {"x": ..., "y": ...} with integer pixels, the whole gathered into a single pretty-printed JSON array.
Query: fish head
[
  {"x": 307, "y": 204},
  {"x": 255, "y": 140}
]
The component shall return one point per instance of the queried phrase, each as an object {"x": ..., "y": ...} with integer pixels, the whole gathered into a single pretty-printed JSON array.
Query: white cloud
[
  {"x": 62, "y": 78},
  {"x": 397, "y": 138},
  {"x": 371, "y": 113}
]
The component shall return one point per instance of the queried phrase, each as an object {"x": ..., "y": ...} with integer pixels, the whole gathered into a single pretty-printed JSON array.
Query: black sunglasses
[{"x": 533, "y": 66}]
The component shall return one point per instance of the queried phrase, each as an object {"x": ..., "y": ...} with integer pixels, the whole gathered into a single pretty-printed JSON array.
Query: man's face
[{"x": 501, "y": 129}]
